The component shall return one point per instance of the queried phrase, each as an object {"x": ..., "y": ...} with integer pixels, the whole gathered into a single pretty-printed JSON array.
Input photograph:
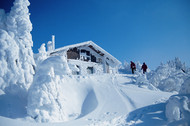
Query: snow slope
[
  {"x": 111, "y": 100},
  {"x": 57, "y": 98}
]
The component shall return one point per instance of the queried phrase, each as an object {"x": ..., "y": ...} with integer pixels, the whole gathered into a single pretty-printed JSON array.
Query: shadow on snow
[
  {"x": 90, "y": 103},
  {"x": 12, "y": 106},
  {"x": 149, "y": 115}
]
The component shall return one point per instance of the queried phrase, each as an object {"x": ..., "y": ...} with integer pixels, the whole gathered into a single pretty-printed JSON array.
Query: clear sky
[{"x": 150, "y": 31}]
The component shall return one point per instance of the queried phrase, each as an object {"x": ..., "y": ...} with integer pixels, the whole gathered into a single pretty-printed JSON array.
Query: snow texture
[
  {"x": 178, "y": 110},
  {"x": 41, "y": 55},
  {"x": 16, "y": 55},
  {"x": 55, "y": 95},
  {"x": 185, "y": 88},
  {"x": 142, "y": 81},
  {"x": 168, "y": 77},
  {"x": 178, "y": 106}
]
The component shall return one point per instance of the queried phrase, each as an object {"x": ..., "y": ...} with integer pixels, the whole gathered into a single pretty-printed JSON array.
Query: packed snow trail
[{"x": 127, "y": 100}]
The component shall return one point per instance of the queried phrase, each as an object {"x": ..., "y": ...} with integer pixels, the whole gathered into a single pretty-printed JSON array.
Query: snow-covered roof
[{"x": 91, "y": 45}]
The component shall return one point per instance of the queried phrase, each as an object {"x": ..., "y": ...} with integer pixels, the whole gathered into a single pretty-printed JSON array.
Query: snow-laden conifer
[{"x": 16, "y": 49}]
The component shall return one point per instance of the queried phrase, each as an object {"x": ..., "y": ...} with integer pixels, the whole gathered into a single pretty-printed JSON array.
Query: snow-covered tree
[
  {"x": 42, "y": 55},
  {"x": 54, "y": 96},
  {"x": 177, "y": 64},
  {"x": 168, "y": 77},
  {"x": 16, "y": 53}
]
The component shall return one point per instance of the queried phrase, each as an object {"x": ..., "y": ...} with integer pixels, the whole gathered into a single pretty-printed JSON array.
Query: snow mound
[
  {"x": 142, "y": 82},
  {"x": 178, "y": 110},
  {"x": 56, "y": 96},
  {"x": 178, "y": 106}
]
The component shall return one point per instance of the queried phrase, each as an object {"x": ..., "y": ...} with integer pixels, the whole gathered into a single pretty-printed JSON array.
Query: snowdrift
[{"x": 58, "y": 96}]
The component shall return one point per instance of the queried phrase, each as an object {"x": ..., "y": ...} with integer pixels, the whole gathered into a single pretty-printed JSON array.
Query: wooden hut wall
[{"x": 73, "y": 53}]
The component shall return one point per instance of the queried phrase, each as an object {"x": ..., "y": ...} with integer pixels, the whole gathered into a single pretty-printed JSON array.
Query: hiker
[
  {"x": 133, "y": 67},
  {"x": 144, "y": 68}
]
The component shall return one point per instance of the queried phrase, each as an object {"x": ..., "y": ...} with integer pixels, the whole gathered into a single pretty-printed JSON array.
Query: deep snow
[
  {"x": 44, "y": 92},
  {"x": 107, "y": 100}
]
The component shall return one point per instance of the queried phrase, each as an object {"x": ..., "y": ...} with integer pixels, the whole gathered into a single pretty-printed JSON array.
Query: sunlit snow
[{"x": 41, "y": 90}]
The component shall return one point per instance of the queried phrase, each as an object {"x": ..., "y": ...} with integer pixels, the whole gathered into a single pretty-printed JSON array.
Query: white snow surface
[
  {"x": 58, "y": 98},
  {"x": 91, "y": 100},
  {"x": 55, "y": 97}
]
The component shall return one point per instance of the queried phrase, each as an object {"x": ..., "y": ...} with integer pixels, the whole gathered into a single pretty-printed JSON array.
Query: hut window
[
  {"x": 90, "y": 70},
  {"x": 93, "y": 58},
  {"x": 83, "y": 51},
  {"x": 88, "y": 53}
]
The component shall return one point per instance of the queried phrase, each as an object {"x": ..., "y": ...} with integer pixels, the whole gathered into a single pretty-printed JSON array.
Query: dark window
[
  {"x": 88, "y": 53},
  {"x": 93, "y": 58},
  {"x": 88, "y": 58},
  {"x": 90, "y": 70},
  {"x": 83, "y": 51}
]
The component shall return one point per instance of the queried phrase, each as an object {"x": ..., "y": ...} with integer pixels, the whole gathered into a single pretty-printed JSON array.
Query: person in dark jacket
[
  {"x": 133, "y": 67},
  {"x": 144, "y": 68}
]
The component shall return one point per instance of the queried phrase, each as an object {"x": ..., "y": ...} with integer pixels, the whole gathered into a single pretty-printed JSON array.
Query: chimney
[
  {"x": 53, "y": 42},
  {"x": 49, "y": 46}
]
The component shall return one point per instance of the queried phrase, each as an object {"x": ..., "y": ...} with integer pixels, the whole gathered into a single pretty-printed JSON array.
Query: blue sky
[{"x": 150, "y": 31}]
